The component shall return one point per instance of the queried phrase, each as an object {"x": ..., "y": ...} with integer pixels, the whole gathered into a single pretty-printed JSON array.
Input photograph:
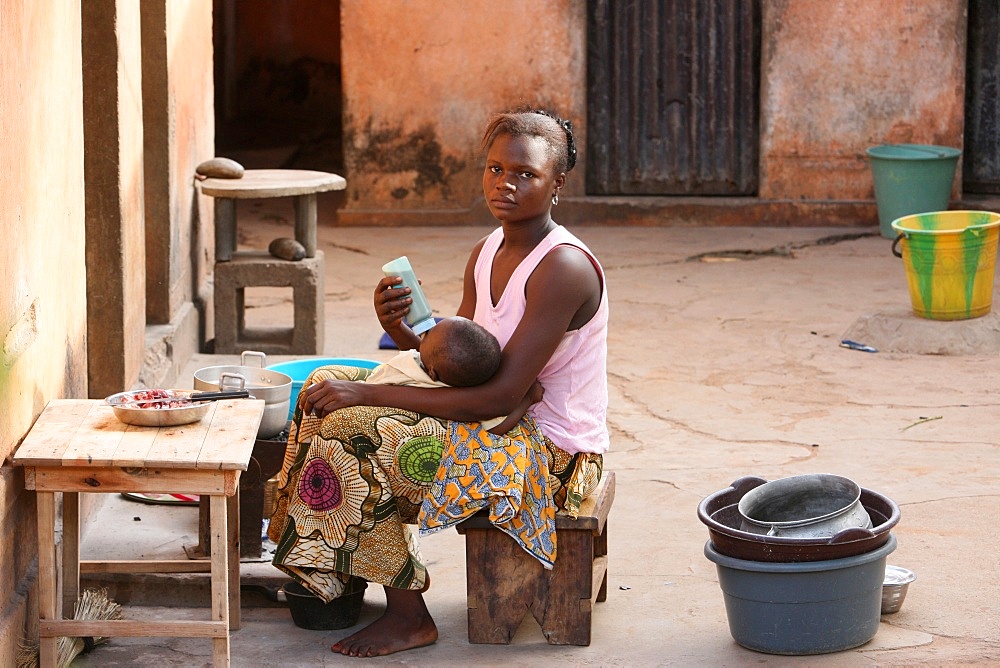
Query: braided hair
[{"x": 556, "y": 132}]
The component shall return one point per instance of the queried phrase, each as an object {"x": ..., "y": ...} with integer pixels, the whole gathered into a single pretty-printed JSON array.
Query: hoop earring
[{"x": 555, "y": 199}]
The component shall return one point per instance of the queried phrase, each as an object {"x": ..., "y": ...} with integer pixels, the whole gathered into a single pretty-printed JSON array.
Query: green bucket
[
  {"x": 911, "y": 178},
  {"x": 950, "y": 259}
]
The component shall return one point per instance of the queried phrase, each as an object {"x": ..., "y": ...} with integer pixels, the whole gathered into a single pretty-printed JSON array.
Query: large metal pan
[
  {"x": 720, "y": 512},
  {"x": 128, "y": 412},
  {"x": 274, "y": 387}
]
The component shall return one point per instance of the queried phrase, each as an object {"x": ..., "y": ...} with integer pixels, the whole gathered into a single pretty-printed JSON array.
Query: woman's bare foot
[{"x": 406, "y": 624}]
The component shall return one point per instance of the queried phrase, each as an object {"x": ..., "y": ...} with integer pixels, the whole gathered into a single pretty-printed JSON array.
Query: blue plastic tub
[{"x": 299, "y": 370}]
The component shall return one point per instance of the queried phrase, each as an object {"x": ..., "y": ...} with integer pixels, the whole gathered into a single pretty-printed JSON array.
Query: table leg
[
  {"x": 70, "y": 552},
  {"x": 233, "y": 520},
  {"x": 305, "y": 222},
  {"x": 48, "y": 593},
  {"x": 220, "y": 577},
  {"x": 225, "y": 228}
]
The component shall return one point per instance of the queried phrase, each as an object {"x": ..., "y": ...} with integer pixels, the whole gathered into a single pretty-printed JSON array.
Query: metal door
[
  {"x": 673, "y": 97},
  {"x": 981, "y": 155}
]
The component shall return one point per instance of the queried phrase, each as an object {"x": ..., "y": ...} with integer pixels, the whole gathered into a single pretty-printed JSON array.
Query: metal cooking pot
[
  {"x": 804, "y": 506},
  {"x": 274, "y": 387}
]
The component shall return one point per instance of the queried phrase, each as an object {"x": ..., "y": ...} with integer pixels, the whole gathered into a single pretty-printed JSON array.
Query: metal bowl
[
  {"x": 157, "y": 417},
  {"x": 897, "y": 580}
]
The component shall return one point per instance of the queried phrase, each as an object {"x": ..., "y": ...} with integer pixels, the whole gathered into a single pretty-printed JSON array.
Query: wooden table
[
  {"x": 78, "y": 445},
  {"x": 301, "y": 184}
]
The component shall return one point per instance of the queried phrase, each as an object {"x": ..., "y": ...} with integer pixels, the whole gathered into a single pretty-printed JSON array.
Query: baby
[{"x": 455, "y": 352}]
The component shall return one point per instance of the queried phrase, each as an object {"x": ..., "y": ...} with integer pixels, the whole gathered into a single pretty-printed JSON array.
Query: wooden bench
[{"x": 503, "y": 582}]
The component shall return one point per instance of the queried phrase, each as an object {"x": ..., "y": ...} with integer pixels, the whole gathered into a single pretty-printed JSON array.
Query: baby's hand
[{"x": 535, "y": 392}]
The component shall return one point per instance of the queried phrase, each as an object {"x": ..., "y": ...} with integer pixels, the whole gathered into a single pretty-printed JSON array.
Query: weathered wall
[
  {"x": 420, "y": 82},
  {"x": 839, "y": 77},
  {"x": 178, "y": 113},
  {"x": 113, "y": 174},
  {"x": 43, "y": 285}
]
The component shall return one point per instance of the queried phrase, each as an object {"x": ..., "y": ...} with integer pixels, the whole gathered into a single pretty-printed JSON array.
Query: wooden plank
[
  {"x": 134, "y": 447},
  {"x": 97, "y": 439},
  {"x": 48, "y": 578},
  {"x": 163, "y": 480},
  {"x": 219, "y": 521},
  {"x": 565, "y": 618},
  {"x": 70, "y": 552},
  {"x": 502, "y": 581},
  {"x": 233, "y": 566},
  {"x": 131, "y": 628},
  {"x": 232, "y": 434},
  {"x": 145, "y": 566},
  {"x": 52, "y": 432},
  {"x": 598, "y": 585},
  {"x": 180, "y": 446}
]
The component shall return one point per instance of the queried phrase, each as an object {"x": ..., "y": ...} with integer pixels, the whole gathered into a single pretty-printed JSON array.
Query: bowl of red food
[{"x": 157, "y": 407}]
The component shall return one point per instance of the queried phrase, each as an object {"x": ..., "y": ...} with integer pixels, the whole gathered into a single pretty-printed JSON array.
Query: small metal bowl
[
  {"x": 157, "y": 417},
  {"x": 897, "y": 580}
]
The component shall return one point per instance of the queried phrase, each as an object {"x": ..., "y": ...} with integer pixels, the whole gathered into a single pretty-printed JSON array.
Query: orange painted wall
[
  {"x": 421, "y": 80},
  {"x": 43, "y": 284},
  {"x": 839, "y": 77}
]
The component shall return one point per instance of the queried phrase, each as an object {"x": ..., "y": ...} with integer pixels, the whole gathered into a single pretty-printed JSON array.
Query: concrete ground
[{"x": 724, "y": 362}]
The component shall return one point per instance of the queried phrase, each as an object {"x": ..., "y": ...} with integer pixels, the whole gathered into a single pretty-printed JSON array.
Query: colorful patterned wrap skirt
[{"x": 354, "y": 482}]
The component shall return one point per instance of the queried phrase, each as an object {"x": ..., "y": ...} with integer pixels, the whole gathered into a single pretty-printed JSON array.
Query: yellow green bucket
[{"x": 950, "y": 259}]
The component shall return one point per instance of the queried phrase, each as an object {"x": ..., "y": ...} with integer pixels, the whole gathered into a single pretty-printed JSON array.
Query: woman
[{"x": 356, "y": 474}]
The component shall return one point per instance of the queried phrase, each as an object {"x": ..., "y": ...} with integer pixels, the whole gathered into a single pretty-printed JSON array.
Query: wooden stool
[{"x": 503, "y": 581}]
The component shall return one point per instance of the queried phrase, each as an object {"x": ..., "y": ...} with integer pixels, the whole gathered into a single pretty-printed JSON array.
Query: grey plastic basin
[{"x": 812, "y": 607}]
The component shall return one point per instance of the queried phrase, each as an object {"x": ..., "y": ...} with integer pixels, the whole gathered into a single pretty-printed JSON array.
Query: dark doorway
[
  {"x": 981, "y": 155},
  {"x": 278, "y": 85},
  {"x": 673, "y": 97}
]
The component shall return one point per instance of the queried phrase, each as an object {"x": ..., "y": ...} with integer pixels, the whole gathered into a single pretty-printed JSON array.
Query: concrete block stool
[
  {"x": 256, "y": 269},
  {"x": 503, "y": 582}
]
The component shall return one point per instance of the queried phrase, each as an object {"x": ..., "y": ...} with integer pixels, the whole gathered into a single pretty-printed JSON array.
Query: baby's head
[{"x": 460, "y": 353}]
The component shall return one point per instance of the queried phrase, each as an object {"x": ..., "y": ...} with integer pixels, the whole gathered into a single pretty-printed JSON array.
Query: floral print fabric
[{"x": 353, "y": 483}]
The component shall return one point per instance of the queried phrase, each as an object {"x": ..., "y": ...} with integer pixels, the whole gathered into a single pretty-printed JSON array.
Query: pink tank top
[{"x": 573, "y": 411}]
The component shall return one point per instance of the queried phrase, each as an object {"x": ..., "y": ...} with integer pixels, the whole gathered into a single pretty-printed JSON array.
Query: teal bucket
[
  {"x": 910, "y": 179},
  {"x": 299, "y": 371}
]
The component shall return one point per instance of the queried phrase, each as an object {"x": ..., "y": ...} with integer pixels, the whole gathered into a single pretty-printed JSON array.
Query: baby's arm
[{"x": 533, "y": 396}]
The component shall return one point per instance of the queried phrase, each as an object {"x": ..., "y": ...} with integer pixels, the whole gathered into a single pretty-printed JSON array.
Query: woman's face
[{"x": 520, "y": 180}]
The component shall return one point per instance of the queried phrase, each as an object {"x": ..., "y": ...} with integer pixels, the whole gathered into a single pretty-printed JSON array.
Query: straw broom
[{"x": 94, "y": 604}]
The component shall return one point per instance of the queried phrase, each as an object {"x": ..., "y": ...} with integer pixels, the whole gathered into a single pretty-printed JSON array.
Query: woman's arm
[{"x": 563, "y": 291}]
